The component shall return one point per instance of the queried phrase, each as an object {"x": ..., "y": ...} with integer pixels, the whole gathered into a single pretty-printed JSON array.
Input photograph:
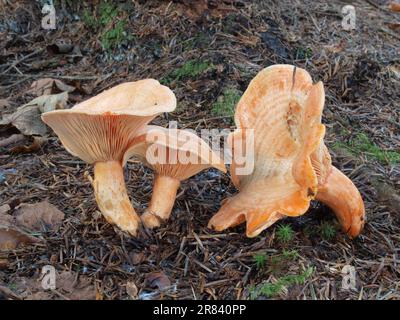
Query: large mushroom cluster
[{"x": 281, "y": 108}]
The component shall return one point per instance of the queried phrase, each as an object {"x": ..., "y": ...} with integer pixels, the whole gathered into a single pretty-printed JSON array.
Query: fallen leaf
[
  {"x": 48, "y": 86},
  {"x": 27, "y": 117},
  {"x": 395, "y": 70},
  {"x": 8, "y": 293},
  {"x": 39, "y": 296},
  {"x": 394, "y": 6},
  {"x": 394, "y": 26},
  {"x": 137, "y": 257},
  {"x": 158, "y": 280},
  {"x": 4, "y": 264},
  {"x": 41, "y": 216},
  {"x": 74, "y": 287},
  {"x": 37, "y": 143},
  {"x": 69, "y": 285},
  {"x": 4, "y": 104},
  {"x": 132, "y": 290},
  {"x": 4, "y": 209},
  {"x": 11, "y": 237}
]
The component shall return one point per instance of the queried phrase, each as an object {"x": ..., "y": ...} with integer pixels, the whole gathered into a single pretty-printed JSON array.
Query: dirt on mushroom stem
[{"x": 112, "y": 198}]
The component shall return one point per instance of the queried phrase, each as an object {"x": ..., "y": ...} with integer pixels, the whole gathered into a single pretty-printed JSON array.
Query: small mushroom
[
  {"x": 100, "y": 130},
  {"x": 174, "y": 155},
  {"x": 291, "y": 164}
]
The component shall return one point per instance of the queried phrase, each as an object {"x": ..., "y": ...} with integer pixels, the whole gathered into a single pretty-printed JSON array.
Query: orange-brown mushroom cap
[
  {"x": 284, "y": 108},
  {"x": 102, "y": 128},
  {"x": 174, "y": 155}
]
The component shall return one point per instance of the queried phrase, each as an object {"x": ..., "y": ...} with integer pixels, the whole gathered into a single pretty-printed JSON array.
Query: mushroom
[
  {"x": 292, "y": 165},
  {"x": 338, "y": 192},
  {"x": 174, "y": 155},
  {"x": 100, "y": 130}
]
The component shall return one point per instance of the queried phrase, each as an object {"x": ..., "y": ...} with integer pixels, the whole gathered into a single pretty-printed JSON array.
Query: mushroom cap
[
  {"x": 283, "y": 107},
  {"x": 103, "y": 127},
  {"x": 175, "y": 153}
]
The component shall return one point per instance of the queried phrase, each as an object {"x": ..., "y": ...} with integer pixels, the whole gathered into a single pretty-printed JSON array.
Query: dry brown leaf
[
  {"x": 75, "y": 288},
  {"x": 158, "y": 280},
  {"x": 27, "y": 117},
  {"x": 4, "y": 105},
  {"x": 41, "y": 216},
  {"x": 47, "y": 86},
  {"x": 69, "y": 285},
  {"x": 4, "y": 209},
  {"x": 11, "y": 237},
  {"x": 36, "y": 144},
  {"x": 39, "y": 296},
  {"x": 4, "y": 264},
  {"x": 394, "y": 26},
  {"x": 132, "y": 290},
  {"x": 394, "y": 6},
  {"x": 137, "y": 257}
]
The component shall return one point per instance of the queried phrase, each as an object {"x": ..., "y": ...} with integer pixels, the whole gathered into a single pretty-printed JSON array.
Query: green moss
[
  {"x": 113, "y": 37},
  {"x": 303, "y": 53},
  {"x": 272, "y": 289},
  {"x": 225, "y": 104},
  {"x": 328, "y": 231},
  {"x": 362, "y": 144},
  {"x": 112, "y": 31},
  {"x": 260, "y": 259},
  {"x": 285, "y": 233},
  {"x": 190, "y": 69}
]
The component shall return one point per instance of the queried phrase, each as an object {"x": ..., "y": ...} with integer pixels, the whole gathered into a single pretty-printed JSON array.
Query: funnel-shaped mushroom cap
[
  {"x": 284, "y": 108},
  {"x": 103, "y": 127},
  {"x": 175, "y": 153}
]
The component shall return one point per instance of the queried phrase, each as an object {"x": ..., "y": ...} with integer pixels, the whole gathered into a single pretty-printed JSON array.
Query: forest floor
[{"x": 207, "y": 54}]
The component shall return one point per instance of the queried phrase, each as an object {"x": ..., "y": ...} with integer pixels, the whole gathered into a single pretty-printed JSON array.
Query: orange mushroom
[
  {"x": 100, "y": 131},
  {"x": 174, "y": 155},
  {"x": 291, "y": 163}
]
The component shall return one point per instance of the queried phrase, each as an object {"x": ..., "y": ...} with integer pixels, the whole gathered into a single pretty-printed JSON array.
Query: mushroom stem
[
  {"x": 162, "y": 201},
  {"x": 112, "y": 198},
  {"x": 341, "y": 195}
]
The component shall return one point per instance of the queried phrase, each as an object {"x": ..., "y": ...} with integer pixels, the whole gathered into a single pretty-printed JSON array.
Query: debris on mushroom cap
[
  {"x": 284, "y": 108},
  {"x": 103, "y": 127},
  {"x": 164, "y": 149}
]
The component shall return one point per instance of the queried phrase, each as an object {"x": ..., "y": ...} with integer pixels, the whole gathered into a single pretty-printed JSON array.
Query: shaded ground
[{"x": 202, "y": 55}]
